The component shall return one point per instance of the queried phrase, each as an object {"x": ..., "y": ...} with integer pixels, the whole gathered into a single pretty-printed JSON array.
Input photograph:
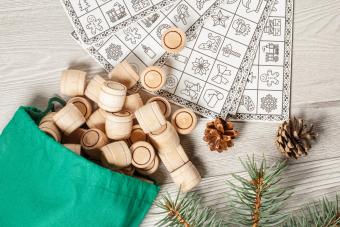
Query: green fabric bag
[{"x": 42, "y": 183}]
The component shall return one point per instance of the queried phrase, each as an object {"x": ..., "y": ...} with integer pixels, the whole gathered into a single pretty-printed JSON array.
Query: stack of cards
[{"x": 237, "y": 59}]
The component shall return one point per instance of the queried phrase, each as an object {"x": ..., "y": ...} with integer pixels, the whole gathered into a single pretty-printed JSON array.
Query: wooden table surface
[{"x": 35, "y": 47}]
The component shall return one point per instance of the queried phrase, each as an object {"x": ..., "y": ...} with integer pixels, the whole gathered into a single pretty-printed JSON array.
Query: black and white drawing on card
[
  {"x": 270, "y": 91},
  {"x": 113, "y": 15}
]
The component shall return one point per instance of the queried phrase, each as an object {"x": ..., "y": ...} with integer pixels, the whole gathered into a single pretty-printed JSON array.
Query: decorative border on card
[
  {"x": 186, "y": 103},
  {"x": 83, "y": 36},
  {"x": 287, "y": 76}
]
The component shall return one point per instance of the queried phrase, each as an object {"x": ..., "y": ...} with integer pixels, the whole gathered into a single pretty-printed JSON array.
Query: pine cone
[
  {"x": 219, "y": 134},
  {"x": 294, "y": 138}
]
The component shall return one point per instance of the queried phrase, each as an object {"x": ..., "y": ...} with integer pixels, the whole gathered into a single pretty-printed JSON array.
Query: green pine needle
[
  {"x": 186, "y": 210},
  {"x": 257, "y": 201},
  {"x": 324, "y": 213}
]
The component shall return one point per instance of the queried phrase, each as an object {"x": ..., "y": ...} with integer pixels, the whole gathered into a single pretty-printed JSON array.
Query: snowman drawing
[{"x": 252, "y": 5}]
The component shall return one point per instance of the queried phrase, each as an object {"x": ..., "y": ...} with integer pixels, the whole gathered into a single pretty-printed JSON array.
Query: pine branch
[
  {"x": 323, "y": 213},
  {"x": 187, "y": 211},
  {"x": 258, "y": 201}
]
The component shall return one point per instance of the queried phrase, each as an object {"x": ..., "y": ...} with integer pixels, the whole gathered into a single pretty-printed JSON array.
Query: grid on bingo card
[
  {"x": 266, "y": 84},
  {"x": 152, "y": 43},
  {"x": 187, "y": 74},
  {"x": 128, "y": 46},
  {"x": 97, "y": 17},
  {"x": 148, "y": 49},
  {"x": 107, "y": 13},
  {"x": 182, "y": 14},
  {"x": 234, "y": 98}
]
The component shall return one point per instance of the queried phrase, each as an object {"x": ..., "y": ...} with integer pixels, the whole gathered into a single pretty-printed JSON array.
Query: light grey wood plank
[{"x": 309, "y": 180}]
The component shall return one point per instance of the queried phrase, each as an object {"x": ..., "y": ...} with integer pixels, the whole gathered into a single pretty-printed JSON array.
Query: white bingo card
[
  {"x": 206, "y": 76},
  {"x": 267, "y": 93},
  {"x": 140, "y": 42},
  {"x": 96, "y": 19}
]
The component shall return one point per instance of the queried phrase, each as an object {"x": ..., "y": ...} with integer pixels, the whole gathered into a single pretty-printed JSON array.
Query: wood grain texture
[{"x": 35, "y": 47}]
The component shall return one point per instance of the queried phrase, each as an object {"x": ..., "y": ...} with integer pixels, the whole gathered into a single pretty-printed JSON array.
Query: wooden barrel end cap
[
  {"x": 153, "y": 78},
  {"x": 173, "y": 40},
  {"x": 184, "y": 120},
  {"x": 93, "y": 139},
  {"x": 143, "y": 154}
]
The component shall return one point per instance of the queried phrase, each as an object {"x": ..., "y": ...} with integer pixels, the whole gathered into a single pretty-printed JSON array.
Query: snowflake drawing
[
  {"x": 219, "y": 19},
  {"x": 200, "y": 66},
  {"x": 114, "y": 52},
  {"x": 269, "y": 103}
]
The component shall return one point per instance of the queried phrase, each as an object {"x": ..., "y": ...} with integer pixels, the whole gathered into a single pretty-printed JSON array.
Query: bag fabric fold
[{"x": 42, "y": 183}]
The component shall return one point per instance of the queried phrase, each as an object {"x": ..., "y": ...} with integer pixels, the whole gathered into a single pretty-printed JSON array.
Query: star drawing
[{"x": 219, "y": 19}]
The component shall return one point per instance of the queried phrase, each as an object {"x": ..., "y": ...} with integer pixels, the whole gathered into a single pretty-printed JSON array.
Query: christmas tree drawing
[{"x": 84, "y": 5}]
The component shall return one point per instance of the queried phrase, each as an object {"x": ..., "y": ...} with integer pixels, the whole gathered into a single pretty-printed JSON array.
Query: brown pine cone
[
  {"x": 219, "y": 134},
  {"x": 294, "y": 138}
]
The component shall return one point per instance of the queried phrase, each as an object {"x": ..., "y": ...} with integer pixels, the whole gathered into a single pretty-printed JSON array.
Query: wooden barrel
[
  {"x": 173, "y": 40},
  {"x": 137, "y": 134},
  {"x": 83, "y": 105},
  {"x": 164, "y": 105},
  {"x": 153, "y": 78},
  {"x": 69, "y": 118},
  {"x": 173, "y": 157},
  {"x": 143, "y": 155},
  {"x": 72, "y": 82},
  {"x": 184, "y": 120},
  {"x": 133, "y": 102},
  {"x": 116, "y": 155},
  {"x": 94, "y": 87},
  {"x": 151, "y": 169},
  {"x": 118, "y": 125},
  {"x": 92, "y": 140},
  {"x": 97, "y": 120},
  {"x": 150, "y": 117},
  {"x": 51, "y": 130},
  {"x": 76, "y": 148},
  {"x": 168, "y": 138},
  {"x": 48, "y": 117},
  {"x": 123, "y": 73},
  {"x": 186, "y": 177},
  {"x": 112, "y": 96}
]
